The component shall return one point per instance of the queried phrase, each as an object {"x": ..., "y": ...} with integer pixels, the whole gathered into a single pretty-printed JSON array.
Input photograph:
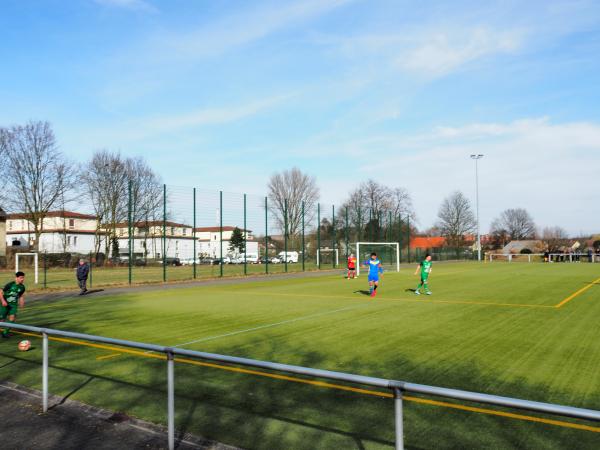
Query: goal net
[
  {"x": 18, "y": 257},
  {"x": 328, "y": 256},
  {"x": 387, "y": 252}
]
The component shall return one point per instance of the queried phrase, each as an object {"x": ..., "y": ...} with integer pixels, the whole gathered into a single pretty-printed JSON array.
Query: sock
[
  {"x": 419, "y": 287},
  {"x": 375, "y": 287},
  {"x": 370, "y": 289},
  {"x": 7, "y": 330},
  {"x": 426, "y": 286}
]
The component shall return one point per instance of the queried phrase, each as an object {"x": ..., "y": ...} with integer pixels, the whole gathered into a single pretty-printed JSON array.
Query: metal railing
[{"x": 397, "y": 387}]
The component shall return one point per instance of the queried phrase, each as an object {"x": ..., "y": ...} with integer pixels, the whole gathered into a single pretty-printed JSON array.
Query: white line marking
[{"x": 262, "y": 327}]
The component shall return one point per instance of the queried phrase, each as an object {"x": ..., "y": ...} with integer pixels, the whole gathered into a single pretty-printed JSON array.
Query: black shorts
[{"x": 351, "y": 268}]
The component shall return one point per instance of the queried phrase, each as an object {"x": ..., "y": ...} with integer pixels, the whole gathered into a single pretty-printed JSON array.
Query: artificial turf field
[{"x": 494, "y": 328}]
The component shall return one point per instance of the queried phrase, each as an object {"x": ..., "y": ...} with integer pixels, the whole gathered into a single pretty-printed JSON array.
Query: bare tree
[
  {"x": 105, "y": 181},
  {"x": 456, "y": 219},
  {"x": 297, "y": 188},
  {"x": 371, "y": 202},
  {"x": 516, "y": 223},
  {"x": 555, "y": 238},
  {"x": 39, "y": 176}
]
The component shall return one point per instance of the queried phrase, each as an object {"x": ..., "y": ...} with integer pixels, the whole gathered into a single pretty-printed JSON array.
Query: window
[
  {"x": 71, "y": 224},
  {"x": 121, "y": 231},
  {"x": 185, "y": 231},
  {"x": 74, "y": 240},
  {"x": 172, "y": 231},
  {"x": 68, "y": 240},
  {"x": 10, "y": 224}
]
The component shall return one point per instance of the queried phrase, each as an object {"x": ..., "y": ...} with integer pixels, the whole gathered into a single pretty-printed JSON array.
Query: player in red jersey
[{"x": 351, "y": 266}]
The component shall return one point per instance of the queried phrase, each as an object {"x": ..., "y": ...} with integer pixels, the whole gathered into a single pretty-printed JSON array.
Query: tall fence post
[
  {"x": 400, "y": 236},
  {"x": 359, "y": 231},
  {"x": 266, "y": 236},
  {"x": 221, "y": 233},
  {"x": 408, "y": 238},
  {"x": 333, "y": 243},
  {"x": 285, "y": 233},
  {"x": 399, "y": 415},
  {"x": 164, "y": 233},
  {"x": 171, "y": 399},
  {"x": 91, "y": 270},
  {"x": 44, "y": 372},
  {"x": 129, "y": 233},
  {"x": 245, "y": 239},
  {"x": 346, "y": 235},
  {"x": 303, "y": 243},
  {"x": 318, "y": 235},
  {"x": 194, "y": 234},
  {"x": 45, "y": 269}
]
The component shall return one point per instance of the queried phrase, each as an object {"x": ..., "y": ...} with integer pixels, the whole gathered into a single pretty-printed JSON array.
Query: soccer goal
[
  {"x": 35, "y": 263},
  {"x": 335, "y": 253},
  {"x": 541, "y": 257},
  {"x": 388, "y": 252}
]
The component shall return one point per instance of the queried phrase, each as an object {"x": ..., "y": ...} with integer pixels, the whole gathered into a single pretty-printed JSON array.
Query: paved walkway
[{"x": 73, "y": 425}]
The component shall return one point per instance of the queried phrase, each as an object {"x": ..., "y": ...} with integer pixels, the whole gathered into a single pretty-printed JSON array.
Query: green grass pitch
[{"x": 492, "y": 328}]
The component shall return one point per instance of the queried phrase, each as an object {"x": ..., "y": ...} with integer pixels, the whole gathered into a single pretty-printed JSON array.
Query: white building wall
[{"x": 55, "y": 242}]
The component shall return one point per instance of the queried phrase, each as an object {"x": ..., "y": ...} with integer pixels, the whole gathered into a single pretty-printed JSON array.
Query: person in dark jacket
[{"x": 83, "y": 270}]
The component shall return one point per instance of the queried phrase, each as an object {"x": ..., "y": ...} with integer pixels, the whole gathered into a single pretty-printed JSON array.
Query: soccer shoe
[
  {"x": 417, "y": 292},
  {"x": 373, "y": 294},
  {"x": 428, "y": 292}
]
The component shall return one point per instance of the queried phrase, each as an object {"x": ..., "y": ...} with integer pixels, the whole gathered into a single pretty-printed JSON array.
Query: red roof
[
  {"x": 216, "y": 229},
  {"x": 61, "y": 214},
  {"x": 427, "y": 242}
]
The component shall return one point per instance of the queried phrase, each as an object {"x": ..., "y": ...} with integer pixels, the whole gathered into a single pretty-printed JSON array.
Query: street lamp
[{"x": 477, "y": 158}]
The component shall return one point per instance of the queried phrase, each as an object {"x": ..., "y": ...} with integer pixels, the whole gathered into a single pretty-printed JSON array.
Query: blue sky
[{"x": 221, "y": 94}]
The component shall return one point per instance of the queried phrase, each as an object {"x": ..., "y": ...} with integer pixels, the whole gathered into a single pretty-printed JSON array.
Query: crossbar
[{"x": 397, "y": 387}]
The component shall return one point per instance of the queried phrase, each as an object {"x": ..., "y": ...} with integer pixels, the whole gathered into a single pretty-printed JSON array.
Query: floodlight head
[{"x": 476, "y": 156}]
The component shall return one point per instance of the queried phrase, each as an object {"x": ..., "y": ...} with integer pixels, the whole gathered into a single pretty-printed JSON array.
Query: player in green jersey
[
  {"x": 425, "y": 268},
  {"x": 11, "y": 297}
]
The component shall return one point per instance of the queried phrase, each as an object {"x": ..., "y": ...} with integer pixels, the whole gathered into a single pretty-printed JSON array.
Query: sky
[{"x": 221, "y": 94}]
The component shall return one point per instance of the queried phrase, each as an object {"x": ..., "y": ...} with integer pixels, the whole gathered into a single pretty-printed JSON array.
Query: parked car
[
  {"x": 292, "y": 257},
  {"x": 173, "y": 261},
  {"x": 275, "y": 260},
  {"x": 190, "y": 261},
  {"x": 139, "y": 262}
]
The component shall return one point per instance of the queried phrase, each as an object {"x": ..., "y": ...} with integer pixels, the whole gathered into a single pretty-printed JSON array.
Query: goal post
[
  {"x": 367, "y": 245},
  {"x": 35, "y": 263},
  {"x": 335, "y": 252}
]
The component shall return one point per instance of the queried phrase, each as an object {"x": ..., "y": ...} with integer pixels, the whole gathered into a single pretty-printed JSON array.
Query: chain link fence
[{"x": 184, "y": 233}]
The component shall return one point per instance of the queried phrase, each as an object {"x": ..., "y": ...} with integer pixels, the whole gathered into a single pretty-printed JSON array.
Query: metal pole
[
  {"x": 44, "y": 372},
  {"x": 194, "y": 233},
  {"x": 171, "y": 399},
  {"x": 245, "y": 240},
  {"x": 399, "y": 419},
  {"x": 129, "y": 232},
  {"x": 346, "y": 234},
  {"x": 303, "y": 246},
  {"x": 408, "y": 237},
  {"x": 333, "y": 234},
  {"x": 266, "y": 237},
  {"x": 400, "y": 236},
  {"x": 91, "y": 271},
  {"x": 318, "y": 235},
  {"x": 164, "y": 233},
  {"x": 285, "y": 233},
  {"x": 221, "y": 233},
  {"x": 45, "y": 268},
  {"x": 477, "y": 158}
]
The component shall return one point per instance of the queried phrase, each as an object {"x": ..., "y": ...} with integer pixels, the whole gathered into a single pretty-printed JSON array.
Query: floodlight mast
[{"x": 476, "y": 158}]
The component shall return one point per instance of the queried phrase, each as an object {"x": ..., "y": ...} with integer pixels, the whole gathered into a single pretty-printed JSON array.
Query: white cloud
[
  {"x": 134, "y": 5},
  {"x": 551, "y": 169},
  {"x": 441, "y": 53}
]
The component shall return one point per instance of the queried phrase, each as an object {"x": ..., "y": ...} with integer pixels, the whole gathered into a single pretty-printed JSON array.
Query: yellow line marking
[
  {"x": 339, "y": 387},
  {"x": 575, "y": 294},
  {"x": 112, "y": 355},
  {"x": 414, "y": 300}
]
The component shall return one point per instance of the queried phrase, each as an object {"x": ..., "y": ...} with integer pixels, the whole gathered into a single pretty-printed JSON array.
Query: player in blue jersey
[{"x": 375, "y": 269}]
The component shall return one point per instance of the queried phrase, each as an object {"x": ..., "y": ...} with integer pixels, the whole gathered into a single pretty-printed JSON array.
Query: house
[
  {"x": 427, "y": 242},
  {"x": 61, "y": 231},
  {"x": 178, "y": 239},
  {"x": 515, "y": 247}
]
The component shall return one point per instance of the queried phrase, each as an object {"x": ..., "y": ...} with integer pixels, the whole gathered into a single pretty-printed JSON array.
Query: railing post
[
  {"x": 399, "y": 416},
  {"x": 171, "y": 399},
  {"x": 44, "y": 372}
]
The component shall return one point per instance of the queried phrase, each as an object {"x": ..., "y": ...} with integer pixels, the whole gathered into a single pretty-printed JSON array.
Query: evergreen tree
[{"x": 237, "y": 241}]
